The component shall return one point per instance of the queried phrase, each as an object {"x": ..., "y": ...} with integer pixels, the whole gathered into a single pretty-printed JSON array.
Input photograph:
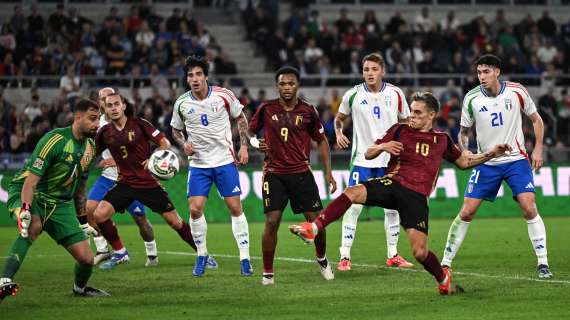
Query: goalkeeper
[{"x": 40, "y": 197}]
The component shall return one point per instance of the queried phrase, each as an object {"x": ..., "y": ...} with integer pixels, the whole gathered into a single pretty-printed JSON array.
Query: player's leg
[
  {"x": 483, "y": 184},
  {"x": 138, "y": 213},
  {"x": 18, "y": 251},
  {"x": 117, "y": 199},
  {"x": 101, "y": 186},
  {"x": 101, "y": 244},
  {"x": 269, "y": 243},
  {"x": 227, "y": 181},
  {"x": 520, "y": 179},
  {"x": 275, "y": 198},
  {"x": 83, "y": 268},
  {"x": 350, "y": 218}
]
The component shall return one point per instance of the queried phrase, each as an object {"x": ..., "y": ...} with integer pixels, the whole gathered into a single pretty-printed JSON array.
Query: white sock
[
  {"x": 101, "y": 244},
  {"x": 537, "y": 235},
  {"x": 121, "y": 251},
  {"x": 151, "y": 249},
  {"x": 455, "y": 237},
  {"x": 392, "y": 228},
  {"x": 349, "y": 221},
  {"x": 240, "y": 229},
  {"x": 199, "y": 228}
]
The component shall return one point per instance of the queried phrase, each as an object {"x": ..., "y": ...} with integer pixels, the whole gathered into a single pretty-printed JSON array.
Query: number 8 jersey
[
  {"x": 208, "y": 125},
  {"x": 498, "y": 119}
]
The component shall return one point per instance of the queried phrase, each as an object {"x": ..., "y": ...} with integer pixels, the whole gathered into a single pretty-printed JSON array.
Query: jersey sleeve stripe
[
  {"x": 399, "y": 101},
  {"x": 226, "y": 105},
  {"x": 470, "y": 107},
  {"x": 351, "y": 99},
  {"x": 225, "y": 91},
  {"x": 517, "y": 86},
  {"x": 47, "y": 147},
  {"x": 521, "y": 101}
]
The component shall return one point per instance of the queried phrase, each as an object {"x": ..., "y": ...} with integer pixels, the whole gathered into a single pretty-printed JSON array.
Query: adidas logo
[
  {"x": 137, "y": 209},
  {"x": 364, "y": 102},
  {"x": 483, "y": 109},
  {"x": 244, "y": 242},
  {"x": 236, "y": 189},
  {"x": 539, "y": 247},
  {"x": 529, "y": 186},
  {"x": 349, "y": 236}
]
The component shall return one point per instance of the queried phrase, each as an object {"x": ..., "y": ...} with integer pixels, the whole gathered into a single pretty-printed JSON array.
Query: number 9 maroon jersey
[{"x": 130, "y": 148}]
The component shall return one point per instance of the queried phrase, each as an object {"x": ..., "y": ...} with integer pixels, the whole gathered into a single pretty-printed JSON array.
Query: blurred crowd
[
  {"x": 537, "y": 45},
  {"x": 139, "y": 43}
]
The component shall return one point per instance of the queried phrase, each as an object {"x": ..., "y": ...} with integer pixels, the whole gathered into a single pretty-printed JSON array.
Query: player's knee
[
  {"x": 529, "y": 210},
  {"x": 235, "y": 210},
  {"x": 196, "y": 212},
  {"x": 420, "y": 253},
  {"x": 272, "y": 225},
  {"x": 467, "y": 214},
  {"x": 85, "y": 259}
]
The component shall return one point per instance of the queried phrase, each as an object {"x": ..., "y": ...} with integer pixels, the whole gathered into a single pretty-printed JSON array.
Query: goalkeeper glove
[
  {"x": 89, "y": 230},
  {"x": 24, "y": 220}
]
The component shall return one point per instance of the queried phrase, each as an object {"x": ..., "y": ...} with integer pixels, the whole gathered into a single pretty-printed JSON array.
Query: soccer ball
[{"x": 163, "y": 164}]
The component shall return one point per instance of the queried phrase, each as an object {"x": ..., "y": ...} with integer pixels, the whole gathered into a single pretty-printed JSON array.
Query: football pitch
[{"x": 495, "y": 266}]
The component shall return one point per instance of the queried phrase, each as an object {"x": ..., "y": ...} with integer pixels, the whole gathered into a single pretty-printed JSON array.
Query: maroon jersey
[
  {"x": 288, "y": 135},
  {"x": 417, "y": 166},
  {"x": 130, "y": 148}
]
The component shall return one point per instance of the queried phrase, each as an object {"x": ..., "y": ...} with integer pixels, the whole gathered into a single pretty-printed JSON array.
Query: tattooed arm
[
  {"x": 80, "y": 198},
  {"x": 463, "y": 138},
  {"x": 469, "y": 160},
  {"x": 243, "y": 137},
  {"x": 180, "y": 140}
]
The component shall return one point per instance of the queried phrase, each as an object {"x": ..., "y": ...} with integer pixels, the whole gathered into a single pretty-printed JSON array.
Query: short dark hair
[
  {"x": 375, "y": 57},
  {"x": 428, "y": 98},
  {"x": 489, "y": 60},
  {"x": 196, "y": 61},
  {"x": 84, "y": 105},
  {"x": 287, "y": 70}
]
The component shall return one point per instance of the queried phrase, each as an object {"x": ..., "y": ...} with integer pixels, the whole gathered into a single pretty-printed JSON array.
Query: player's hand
[
  {"x": 24, "y": 220},
  {"x": 188, "y": 148},
  {"x": 500, "y": 150},
  {"x": 106, "y": 163},
  {"x": 243, "y": 157},
  {"x": 342, "y": 140},
  {"x": 145, "y": 164},
  {"x": 392, "y": 147},
  {"x": 262, "y": 145},
  {"x": 331, "y": 182},
  {"x": 89, "y": 230},
  {"x": 536, "y": 158}
]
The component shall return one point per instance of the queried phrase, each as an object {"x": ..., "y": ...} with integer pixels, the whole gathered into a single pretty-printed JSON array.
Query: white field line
[{"x": 362, "y": 265}]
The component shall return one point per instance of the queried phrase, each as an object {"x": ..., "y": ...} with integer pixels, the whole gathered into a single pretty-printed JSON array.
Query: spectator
[
  {"x": 547, "y": 25},
  {"x": 70, "y": 83},
  {"x": 450, "y": 23},
  {"x": 546, "y": 52},
  {"x": 18, "y": 140},
  {"x": 173, "y": 22},
  {"x": 343, "y": 24},
  {"x": 145, "y": 35},
  {"x": 115, "y": 56},
  {"x": 32, "y": 110},
  {"x": 500, "y": 23},
  {"x": 423, "y": 22}
]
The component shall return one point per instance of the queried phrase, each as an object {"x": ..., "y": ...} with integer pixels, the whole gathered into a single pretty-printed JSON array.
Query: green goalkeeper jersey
[{"x": 60, "y": 160}]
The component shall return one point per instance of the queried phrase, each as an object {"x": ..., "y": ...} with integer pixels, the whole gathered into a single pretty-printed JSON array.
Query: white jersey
[
  {"x": 498, "y": 119},
  {"x": 109, "y": 172},
  {"x": 207, "y": 123},
  {"x": 372, "y": 115}
]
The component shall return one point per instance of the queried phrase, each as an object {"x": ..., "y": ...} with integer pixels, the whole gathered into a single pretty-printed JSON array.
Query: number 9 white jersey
[
  {"x": 372, "y": 115},
  {"x": 207, "y": 123},
  {"x": 498, "y": 119}
]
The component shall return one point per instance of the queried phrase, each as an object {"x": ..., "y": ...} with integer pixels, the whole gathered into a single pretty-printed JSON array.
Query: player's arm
[
  {"x": 463, "y": 138},
  {"x": 244, "y": 138},
  {"x": 468, "y": 160},
  {"x": 538, "y": 127},
  {"x": 341, "y": 139},
  {"x": 255, "y": 125},
  {"x": 164, "y": 144},
  {"x": 325, "y": 152},
  {"x": 29, "y": 188},
  {"x": 392, "y": 147}
]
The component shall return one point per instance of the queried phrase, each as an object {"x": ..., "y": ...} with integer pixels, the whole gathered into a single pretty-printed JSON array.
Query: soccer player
[
  {"x": 42, "y": 195},
  {"x": 374, "y": 106},
  {"x": 417, "y": 152},
  {"x": 289, "y": 125},
  {"x": 127, "y": 138},
  {"x": 204, "y": 113},
  {"x": 495, "y": 109},
  {"x": 103, "y": 184}
]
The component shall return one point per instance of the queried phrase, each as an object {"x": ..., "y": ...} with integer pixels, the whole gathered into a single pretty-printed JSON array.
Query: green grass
[{"x": 496, "y": 266}]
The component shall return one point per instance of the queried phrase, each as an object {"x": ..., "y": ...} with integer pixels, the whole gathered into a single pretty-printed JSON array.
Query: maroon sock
[
  {"x": 109, "y": 232},
  {"x": 268, "y": 261},
  {"x": 433, "y": 266},
  {"x": 186, "y": 235},
  {"x": 333, "y": 211}
]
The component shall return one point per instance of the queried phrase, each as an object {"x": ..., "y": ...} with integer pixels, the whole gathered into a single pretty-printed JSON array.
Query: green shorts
[{"x": 58, "y": 220}]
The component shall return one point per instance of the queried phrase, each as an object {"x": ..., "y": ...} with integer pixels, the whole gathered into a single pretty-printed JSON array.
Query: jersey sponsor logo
[
  {"x": 155, "y": 133},
  {"x": 508, "y": 104},
  {"x": 38, "y": 164},
  {"x": 364, "y": 102},
  {"x": 483, "y": 109}
]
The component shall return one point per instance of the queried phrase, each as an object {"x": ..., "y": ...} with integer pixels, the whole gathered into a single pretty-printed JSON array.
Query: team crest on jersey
[
  {"x": 508, "y": 104},
  {"x": 131, "y": 135},
  {"x": 38, "y": 164},
  {"x": 388, "y": 101},
  {"x": 298, "y": 120}
]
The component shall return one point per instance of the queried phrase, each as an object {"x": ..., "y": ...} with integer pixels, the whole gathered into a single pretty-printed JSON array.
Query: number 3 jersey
[
  {"x": 498, "y": 119},
  {"x": 372, "y": 114},
  {"x": 207, "y": 123}
]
